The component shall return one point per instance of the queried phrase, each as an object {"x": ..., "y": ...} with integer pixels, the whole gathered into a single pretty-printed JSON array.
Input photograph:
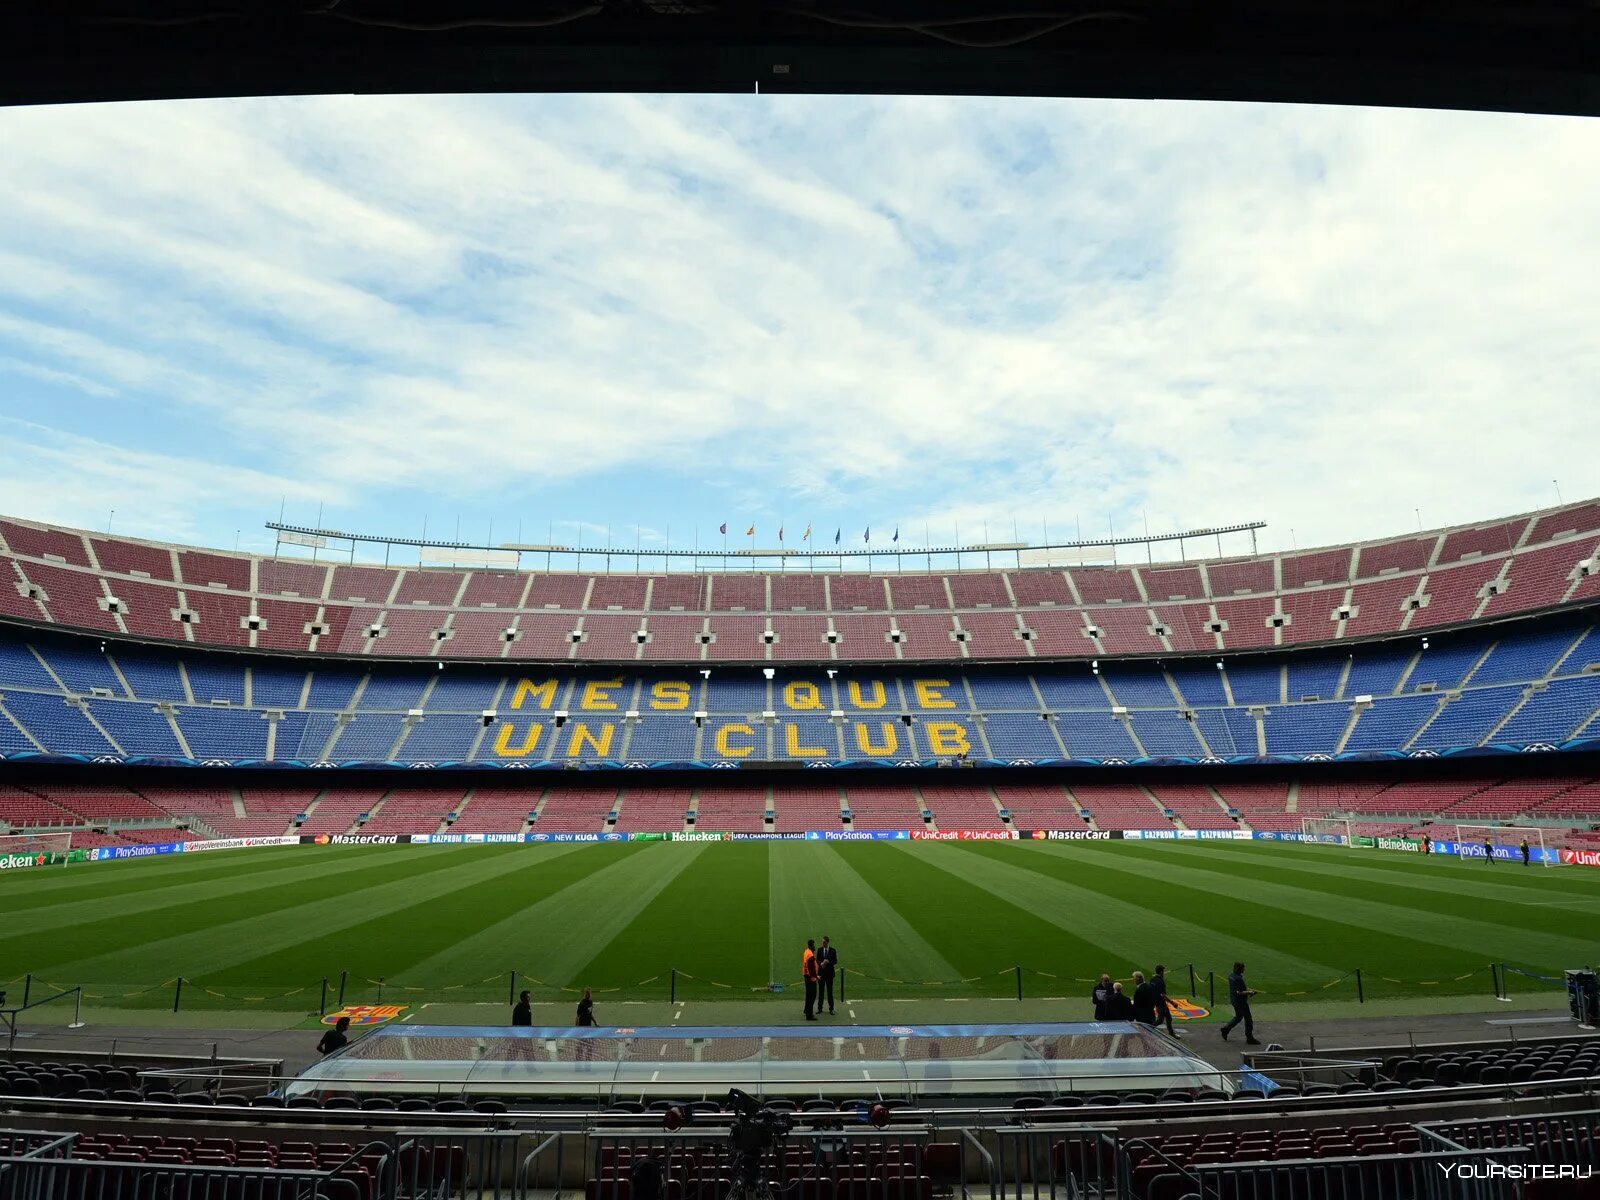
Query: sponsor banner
[
  {"x": 577, "y": 837},
  {"x": 365, "y": 1014},
  {"x": 961, "y": 835},
  {"x": 1388, "y": 843},
  {"x": 698, "y": 835},
  {"x": 766, "y": 837},
  {"x": 1066, "y": 835},
  {"x": 238, "y": 843},
  {"x": 1581, "y": 858},
  {"x": 863, "y": 835},
  {"x": 1321, "y": 839},
  {"x": 355, "y": 839},
  {"x": 21, "y": 862},
  {"x": 1501, "y": 853},
  {"x": 451, "y": 839},
  {"x": 1362, "y": 842},
  {"x": 647, "y": 837},
  {"x": 109, "y": 852}
]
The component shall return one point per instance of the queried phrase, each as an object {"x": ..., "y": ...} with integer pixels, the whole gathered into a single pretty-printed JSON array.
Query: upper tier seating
[{"x": 1434, "y": 580}]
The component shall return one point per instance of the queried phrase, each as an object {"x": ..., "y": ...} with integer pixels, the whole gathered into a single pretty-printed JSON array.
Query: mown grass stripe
[
  {"x": 240, "y": 929},
  {"x": 1442, "y": 893},
  {"x": 1119, "y": 914},
  {"x": 552, "y": 938},
  {"x": 266, "y": 875},
  {"x": 982, "y": 930},
  {"x": 710, "y": 920}
]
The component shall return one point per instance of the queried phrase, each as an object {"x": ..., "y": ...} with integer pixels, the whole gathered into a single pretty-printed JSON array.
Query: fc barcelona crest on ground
[{"x": 365, "y": 1014}]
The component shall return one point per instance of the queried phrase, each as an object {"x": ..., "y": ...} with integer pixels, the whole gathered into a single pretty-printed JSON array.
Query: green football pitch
[{"x": 432, "y": 927}]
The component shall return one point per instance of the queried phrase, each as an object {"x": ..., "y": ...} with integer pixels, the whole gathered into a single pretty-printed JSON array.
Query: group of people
[
  {"x": 522, "y": 1013},
  {"x": 1148, "y": 1004},
  {"x": 818, "y": 969}
]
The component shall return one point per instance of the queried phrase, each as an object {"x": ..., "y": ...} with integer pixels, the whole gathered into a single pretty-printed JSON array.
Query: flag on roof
[
  {"x": 867, "y": 534},
  {"x": 780, "y": 533},
  {"x": 724, "y": 528},
  {"x": 751, "y": 532},
  {"x": 896, "y": 537},
  {"x": 837, "y": 533},
  {"x": 806, "y": 536}
]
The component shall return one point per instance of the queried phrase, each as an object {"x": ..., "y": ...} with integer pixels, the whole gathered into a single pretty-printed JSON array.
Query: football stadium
[{"x": 1206, "y": 862}]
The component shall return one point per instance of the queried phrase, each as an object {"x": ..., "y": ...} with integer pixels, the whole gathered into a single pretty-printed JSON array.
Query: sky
[{"x": 525, "y": 318}]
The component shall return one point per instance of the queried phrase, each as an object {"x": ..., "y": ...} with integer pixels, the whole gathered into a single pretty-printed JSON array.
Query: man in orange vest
[{"x": 808, "y": 972}]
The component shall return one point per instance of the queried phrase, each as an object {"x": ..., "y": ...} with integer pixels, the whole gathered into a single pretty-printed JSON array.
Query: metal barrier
[
  {"x": 1429, "y": 1175},
  {"x": 813, "y": 1164},
  {"x": 74, "y": 1179},
  {"x": 411, "y": 1165},
  {"x": 1032, "y": 1164},
  {"x": 1555, "y": 1138}
]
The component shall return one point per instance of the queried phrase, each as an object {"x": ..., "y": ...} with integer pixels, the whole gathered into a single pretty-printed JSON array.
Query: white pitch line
[{"x": 852, "y": 1014}]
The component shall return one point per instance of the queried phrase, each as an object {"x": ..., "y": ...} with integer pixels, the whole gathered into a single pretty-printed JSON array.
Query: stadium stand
[
  {"x": 1529, "y": 682},
  {"x": 1431, "y": 581}
]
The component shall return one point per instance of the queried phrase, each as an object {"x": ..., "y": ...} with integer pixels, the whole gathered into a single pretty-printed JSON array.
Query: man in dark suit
[
  {"x": 1118, "y": 1007},
  {"x": 1239, "y": 994},
  {"x": 827, "y": 967},
  {"x": 522, "y": 1014},
  {"x": 1163, "y": 1009},
  {"x": 1146, "y": 1000}
]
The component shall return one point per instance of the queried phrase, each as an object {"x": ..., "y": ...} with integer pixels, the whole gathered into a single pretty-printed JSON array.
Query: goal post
[
  {"x": 1503, "y": 837},
  {"x": 1327, "y": 829},
  {"x": 19, "y": 850}
]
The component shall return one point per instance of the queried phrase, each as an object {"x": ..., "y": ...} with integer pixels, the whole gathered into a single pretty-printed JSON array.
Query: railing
[
  {"x": 406, "y": 1166},
  {"x": 8, "y": 1016},
  {"x": 1429, "y": 1175},
  {"x": 826, "y": 1164},
  {"x": 1571, "y": 1138},
  {"x": 1031, "y": 1164}
]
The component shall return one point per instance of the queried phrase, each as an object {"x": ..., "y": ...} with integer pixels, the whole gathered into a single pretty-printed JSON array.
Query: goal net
[
  {"x": 1326, "y": 829},
  {"x": 1503, "y": 841},
  {"x": 44, "y": 849}
]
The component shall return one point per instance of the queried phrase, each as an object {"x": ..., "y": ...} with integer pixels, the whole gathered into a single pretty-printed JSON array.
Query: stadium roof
[{"x": 1525, "y": 55}]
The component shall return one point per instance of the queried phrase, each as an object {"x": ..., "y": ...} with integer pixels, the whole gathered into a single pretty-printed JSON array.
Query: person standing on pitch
[
  {"x": 827, "y": 967},
  {"x": 1488, "y": 851},
  {"x": 1163, "y": 1009},
  {"x": 1239, "y": 994},
  {"x": 522, "y": 1014},
  {"x": 1146, "y": 1000},
  {"x": 1527, "y": 852},
  {"x": 809, "y": 974},
  {"x": 585, "y": 1009},
  {"x": 1118, "y": 1006},
  {"x": 1101, "y": 997}
]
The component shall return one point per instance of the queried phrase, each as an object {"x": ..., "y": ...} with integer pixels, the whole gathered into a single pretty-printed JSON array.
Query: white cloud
[{"x": 945, "y": 309}]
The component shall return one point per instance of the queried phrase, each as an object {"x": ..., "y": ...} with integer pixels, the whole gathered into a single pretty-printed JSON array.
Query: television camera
[{"x": 755, "y": 1131}]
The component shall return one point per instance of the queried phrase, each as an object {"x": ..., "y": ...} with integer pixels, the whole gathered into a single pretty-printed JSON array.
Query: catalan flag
[{"x": 751, "y": 532}]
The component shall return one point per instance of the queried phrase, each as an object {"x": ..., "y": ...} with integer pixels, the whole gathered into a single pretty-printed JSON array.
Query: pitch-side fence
[{"x": 1200, "y": 986}]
